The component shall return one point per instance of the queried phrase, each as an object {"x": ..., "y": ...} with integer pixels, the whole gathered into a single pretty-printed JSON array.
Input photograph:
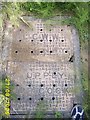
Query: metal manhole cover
[{"x": 41, "y": 65}]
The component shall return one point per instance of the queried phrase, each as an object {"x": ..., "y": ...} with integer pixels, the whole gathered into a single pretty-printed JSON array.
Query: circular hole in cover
[
  {"x": 50, "y": 51},
  {"x": 54, "y": 85},
  {"x": 31, "y": 51},
  {"x": 18, "y": 98},
  {"x": 53, "y": 98},
  {"x": 50, "y": 40},
  {"x": 68, "y": 25},
  {"x": 66, "y": 51},
  {"x": 62, "y": 40},
  {"x": 30, "y": 98},
  {"x": 29, "y": 85},
  {"x": 31, "y": 40},
  {"x": 61, "y": 29},
  {"x": 54, "y": 73},
  {"x": 41, "y": 51},
  {"x": 65, "y": 84},
  {"x": 16, "y": 51},
  {"x": 17, "y": 84},
  {"x": 41, "y": 40},
  {"x": 20, "y": 40},
  {"x": 12, "y": 25},
  {"x": 41, "y": 98},
  {"x": 41, "y": 85},
  {"x": 40, "y": 29},
  {"x": 86, "y": 59}
]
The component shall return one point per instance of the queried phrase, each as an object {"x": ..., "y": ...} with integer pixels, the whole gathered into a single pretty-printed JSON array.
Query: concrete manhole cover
[{"x": 41, "y": 63}]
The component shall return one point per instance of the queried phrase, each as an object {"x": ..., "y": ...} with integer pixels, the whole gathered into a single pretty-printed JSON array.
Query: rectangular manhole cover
[{"x": 41, "y": 64}]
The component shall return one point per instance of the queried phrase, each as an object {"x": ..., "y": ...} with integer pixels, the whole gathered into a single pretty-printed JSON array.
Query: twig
[{"x": 21, "y": 18}]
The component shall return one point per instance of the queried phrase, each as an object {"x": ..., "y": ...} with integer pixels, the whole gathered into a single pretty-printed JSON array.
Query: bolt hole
[
  {"x": 29, "y": 85},
  {"x": 41, "y": 51},
  {"x": 20, "y": 29},
  {"x": 50, "y": 51},
  {"x": 12, "y": 25},
  {"x": 41, "y": 85},
  {"x": 68, "y": 25},
  {"x": 62, "y": 40},
  {"x": 50, "y": 40},
  {"x": 31, "y": 51},
  {"x": 41, "y": 98},
  {"x": 17, "y": 85},
  {"x": 65, "y": 51},
  {"x": 53, "y": 98},
  {"x": 61, "y": 29},
  {"x": 86, "y": 60},
  {"x": 20, "y": 40},
  {"x": 18, "y": 98},
  {"x": 54, "y": 73},
  {"x": 54, "y": 85},
  {"x": 31, "y": 40},
  {"x": 30, "y": 98},
  {"x": 40, "y": 29},
  {"x": 41, "y": 40},
  {"x": 65, "y": 84},
  {"x": 16, "y": 51}
]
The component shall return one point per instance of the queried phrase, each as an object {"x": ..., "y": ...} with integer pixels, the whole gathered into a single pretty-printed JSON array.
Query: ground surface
[{"x": 43, "y": 64}]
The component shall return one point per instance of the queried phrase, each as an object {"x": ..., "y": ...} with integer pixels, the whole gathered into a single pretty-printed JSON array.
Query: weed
[
  {"x": 40, "y": 9},
  {"x": 79, "y": 17},
  {"x": 58, "y": 114},
  {"x": 77, "y": 11},
  {"x": 40, "y": 110},
  {"x": 10, "y": 11}
]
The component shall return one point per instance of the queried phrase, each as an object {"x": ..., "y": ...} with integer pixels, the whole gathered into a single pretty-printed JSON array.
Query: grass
[
  {"x": 58, "y": 115},
  {"x": 39, "y": 9},
  {"x": 77, "y": 11},
  {"x": 40, "y": 110},
  {"x": 10, "y": 11},
  {"x": 79, "y": 17},
  {"x": 84, "y": 56}
]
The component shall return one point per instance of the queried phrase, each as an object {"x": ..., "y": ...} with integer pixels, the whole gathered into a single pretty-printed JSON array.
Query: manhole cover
[{"x": 41, "y": 65}]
